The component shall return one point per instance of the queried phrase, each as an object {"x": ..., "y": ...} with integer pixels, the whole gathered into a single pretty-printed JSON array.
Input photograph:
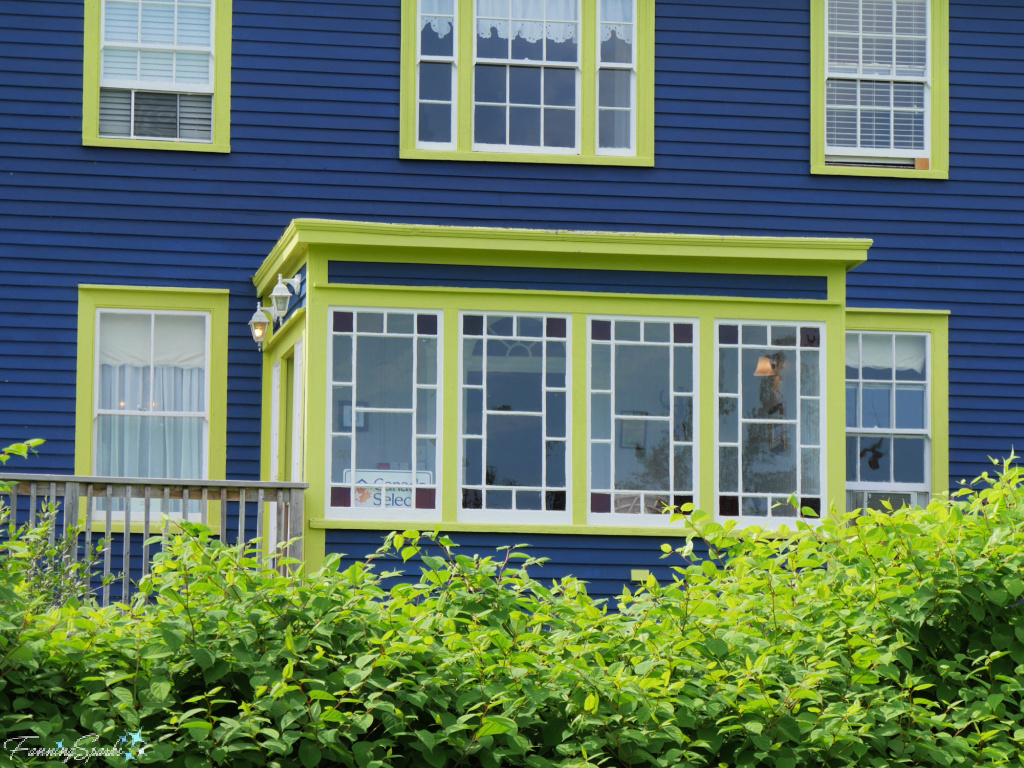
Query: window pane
[
  {"x": 911, "y": 357},
  {"x": 876, "y": 351},
  {"x": 875, "y": 460},
  {"x": 728, "y": 420},
  {"x": 641, "y": 454},
  {"x": 489, "y": 125},
  {"x": 524, "y": 85},
  {"x": 615, "y": 88},
  {"x": 769, "y": 396},
  {"x": 600, "y": 463},
  {"x": 342, "y": 358},
  {"x": 642, "y": 380},
  {"x": 559, "y": 128},
  {"x": 910, "y": 408},
  {"x": 435, "y": 81},
  {"x": 150, "y": 446},
  {"x": 600, "y": 366},
  {"x": 617, "y": 43},
  {"x": 683, "y": 357},
  {"x": 384, "y": 372},
  {"x": 514, "y": 375},
  {"x": 436, "y": 38},
  {"x": 769, "y": 458},
  {"x": 875, "y": 406},
  {"x": 524, "y": 127},
  {"x": 115, "y": 112},
  {"x": 908, "y": 460},
  {"x": 560, "y": 87},
  {"x": 615, "y": 128},
  {"x": 156, "y": 115},
  {"x": 728, "y": 474},
  {"x": 384, "y": 445},
  {"x": 515, "y": 447}
]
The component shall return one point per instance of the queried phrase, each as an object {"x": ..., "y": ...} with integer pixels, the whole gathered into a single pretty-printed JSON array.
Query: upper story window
[
  {"x": 888, "y": 443},
  {"x": 157, "y": 73},
  {"x": 884, "y": 86},
  {"x": 530, "y": 80}
]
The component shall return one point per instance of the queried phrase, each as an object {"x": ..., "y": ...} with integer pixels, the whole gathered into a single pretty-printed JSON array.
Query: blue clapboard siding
[
  {"x": 603, "y": 562},
  {"x": 315, "y": 134},
  {"x": 589, "y": 280}
]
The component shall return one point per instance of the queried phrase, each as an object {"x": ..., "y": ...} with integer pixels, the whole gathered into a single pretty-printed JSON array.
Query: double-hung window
[
  {"x": 157, "y": 73},
  {"x": 884, "y": 82},
  {"x": 888, "y": 430},
  {"x": 536, "y": 80},
  {"x": 152, "y": 395}
]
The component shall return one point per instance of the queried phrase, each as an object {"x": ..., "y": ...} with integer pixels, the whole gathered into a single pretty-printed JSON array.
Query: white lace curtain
[
  {"x": 617, "y": 17},
  {"x": 152, "y": 396},
  {"x": 528, "y": 19}
]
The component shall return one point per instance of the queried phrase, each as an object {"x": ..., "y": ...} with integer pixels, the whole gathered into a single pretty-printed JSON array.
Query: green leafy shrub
[{"x": 880, "y": 640}]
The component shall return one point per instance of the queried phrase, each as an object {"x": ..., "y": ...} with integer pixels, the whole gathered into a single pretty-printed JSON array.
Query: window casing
[
  {"x": 533, "y": 80},
  {"x": 880, "y": 87},
  {"x": 157, "y": 74},
  {"x": 888, "y": 425},
  {"x": 514, "y": 418},
  {"x": 643, "y": 414},
  {"x": 385, "y": 415},
  {"x": 770, "y": 420}
]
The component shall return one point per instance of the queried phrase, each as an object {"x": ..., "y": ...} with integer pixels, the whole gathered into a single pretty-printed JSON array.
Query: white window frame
[
  {"x": 536, "y": 517},
  {"x": 576, "y": 67},
  {"x": 410, "y": 514},
  {"x": 160, "y": 86},
  {"x": 643, "y": 519},
  {"x": 204, "y": 415},
  {"x": 769, "y": 521},
  {"x": 879, "y": 155},
  {"x": 920, "y": 493},
  {"x": 632, "y": 69}
]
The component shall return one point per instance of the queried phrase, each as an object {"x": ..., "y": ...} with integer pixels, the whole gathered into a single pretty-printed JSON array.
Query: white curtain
[
  {"x": 877, "y": 352},
  {"x": 617, "y": 17},
  {"x": 139, "y": 379},
  {"x": 528, "y": 19}
]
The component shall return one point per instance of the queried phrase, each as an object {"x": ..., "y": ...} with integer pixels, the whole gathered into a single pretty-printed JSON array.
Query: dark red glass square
[
  {"x": 472, "y": 499},
  {"x": 341, "y": 497},
  {"x": 678, "y": 501},
  {"x": 600, "y": 502},
  {"x": 729, "y": 506},
  {"x": 426, "y": 325},
  {"x": 425, "y": 498},
  {"x": 343, "y": 322},
  {"x": 556, "y": 328},
  {"x": 601, "y": 330},
  {"x": 810, "y": 337},
  {"x": 728, "y": 334},
  {"x": 682, "y": 333}
]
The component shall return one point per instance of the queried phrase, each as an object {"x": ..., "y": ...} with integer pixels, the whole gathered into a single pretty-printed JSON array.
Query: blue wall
[{"x": 315, "y": 133}]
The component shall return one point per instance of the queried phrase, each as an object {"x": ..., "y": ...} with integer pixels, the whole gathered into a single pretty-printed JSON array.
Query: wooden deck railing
[{"x": 138, "y": 505}]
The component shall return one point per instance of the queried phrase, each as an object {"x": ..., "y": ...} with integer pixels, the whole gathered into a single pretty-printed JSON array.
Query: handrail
[{"x": 172, "y": 482}]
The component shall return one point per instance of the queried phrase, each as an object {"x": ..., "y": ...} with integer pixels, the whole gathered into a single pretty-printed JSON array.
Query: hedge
[{"x": 879, "y": 639}]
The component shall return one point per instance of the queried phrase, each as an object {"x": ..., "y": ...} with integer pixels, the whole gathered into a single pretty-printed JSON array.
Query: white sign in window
[
  {"x": 385, "y": 410},
  {"x": 770, "y": 420},
  {"x": 642, "y": 418}
]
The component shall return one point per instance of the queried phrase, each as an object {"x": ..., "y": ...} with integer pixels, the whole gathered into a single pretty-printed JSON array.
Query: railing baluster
[
  {"x": 241, "y": 519},
  {"x": 147, "y": 498},
  {"x": 184, "y": 504},
  {"x": 32, "y": 505},
  {"x": 281, "y": 520},
  {"x": 126, "y": 549},
  {"x": 163, "y": 514},
  {"x": 296, "y": 526},
  {"x": 87, "y": 549},
  {"x": 224, "y": 515},
  {"x": 14, "y": 503},
  {"x": 260, "y": 512},
  {"x": 204, "y": 507},
  {"x": 52, "y": 500},
  {"x": 71, "y": 518},
  {"x": 107, "y": 544}
]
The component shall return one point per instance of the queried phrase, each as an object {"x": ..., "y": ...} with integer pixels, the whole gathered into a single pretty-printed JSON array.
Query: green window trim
[
  {"x": 588, "y": 154},
  {"x": 938, "y": 160},
  {"x": 221, "y": 138},
  {"x": 936, "y": 324},
  {"x": 91, "y": 299}
]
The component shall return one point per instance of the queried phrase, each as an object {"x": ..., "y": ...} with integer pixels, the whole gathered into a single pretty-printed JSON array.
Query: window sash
[
  {"x": 834, "y": 72},
  {"x": 648, "y": 513},
  {"x": 117, "y": 414}
]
